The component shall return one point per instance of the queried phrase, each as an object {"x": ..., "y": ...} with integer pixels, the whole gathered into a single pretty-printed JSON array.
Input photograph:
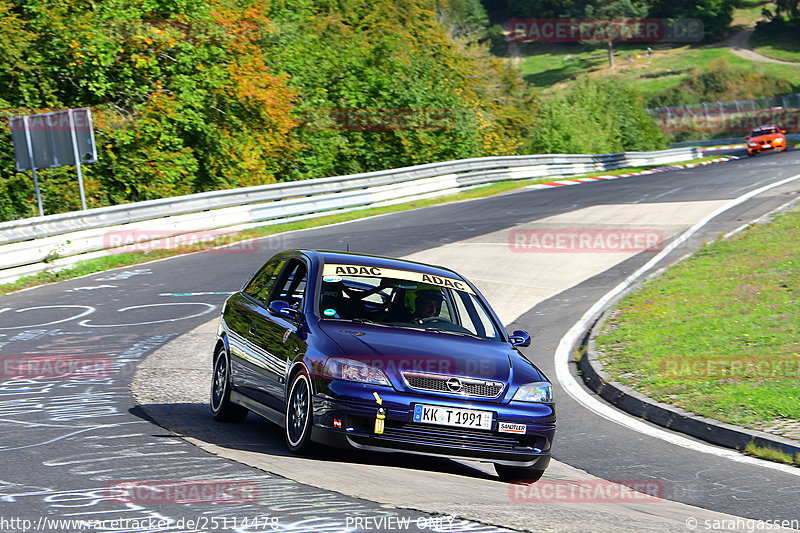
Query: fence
[
  {"x": 32, "y": 245},
  {"x": 735, "y": 116},
  {"x": 723, "y": 142}
]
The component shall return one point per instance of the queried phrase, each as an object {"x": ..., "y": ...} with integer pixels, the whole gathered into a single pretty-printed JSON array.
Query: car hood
[
  {"x": 765, "y": 137},
  {"x": 396, "y": 350}
]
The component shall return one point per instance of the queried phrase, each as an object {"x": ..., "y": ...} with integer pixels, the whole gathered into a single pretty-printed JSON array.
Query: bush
[
  {"x": 720, "y": 81},
  {"x": 593, "y": 117}
]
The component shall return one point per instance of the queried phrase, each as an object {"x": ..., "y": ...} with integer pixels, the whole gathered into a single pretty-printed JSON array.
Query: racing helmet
[{"x": 424, "y": 292}]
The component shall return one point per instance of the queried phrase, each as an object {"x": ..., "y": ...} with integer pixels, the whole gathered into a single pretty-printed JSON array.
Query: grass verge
[
  {"x": 110, "y": 261},
  {"x": 719, "y": 333},
  {"x": 771, "y": 454}
]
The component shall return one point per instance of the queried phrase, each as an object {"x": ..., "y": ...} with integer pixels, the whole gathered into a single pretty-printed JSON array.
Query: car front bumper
[
  {"x": 765, "y": 148},
  {"x": 351, "y": 422}
]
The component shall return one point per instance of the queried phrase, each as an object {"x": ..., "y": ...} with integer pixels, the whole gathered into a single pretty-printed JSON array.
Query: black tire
[
  {"x": 519, "y": 474},
  {"x": 222, "y": 408},
  {"x": 299, "y": 417}
]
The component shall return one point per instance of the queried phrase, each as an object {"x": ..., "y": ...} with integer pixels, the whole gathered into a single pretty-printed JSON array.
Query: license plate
[{"x": 451, "y": 416}]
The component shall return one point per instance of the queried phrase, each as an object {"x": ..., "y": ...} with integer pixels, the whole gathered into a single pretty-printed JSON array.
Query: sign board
[
  {"x": 54, "y": 140},
  {"x": 51, "y": 139}
]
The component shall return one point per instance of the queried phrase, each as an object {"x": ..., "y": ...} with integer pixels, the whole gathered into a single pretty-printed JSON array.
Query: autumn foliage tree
[
  {"x": 213, "y": 94},
  {"x": 182, "y": 96}
]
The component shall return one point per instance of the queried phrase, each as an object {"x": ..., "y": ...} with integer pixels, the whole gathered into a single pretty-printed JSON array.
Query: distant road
[{"x": 739, "y": 44}]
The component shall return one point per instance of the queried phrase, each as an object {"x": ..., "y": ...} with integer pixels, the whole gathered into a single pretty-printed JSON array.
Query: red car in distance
[{"x": 766, "y": 138}]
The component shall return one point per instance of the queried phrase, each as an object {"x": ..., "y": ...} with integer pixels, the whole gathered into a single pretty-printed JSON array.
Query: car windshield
[
  {"x": 766, "y": 130},
  {"x": 404, "y": 299}
]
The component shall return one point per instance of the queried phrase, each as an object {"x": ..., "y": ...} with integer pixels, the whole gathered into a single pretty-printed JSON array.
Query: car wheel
[
  {"x": 298, "y": 414},
  {"x": 518, "y": 473},
  {"x": 222, "y": 408}
]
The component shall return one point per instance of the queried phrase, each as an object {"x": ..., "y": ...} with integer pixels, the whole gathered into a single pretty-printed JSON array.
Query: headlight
[
  {"x": 779, "y": 139},
  {"x": 539, "y": 392},
  {"x": 350, "y": 370},
  {"x": 753, "y": 144}
]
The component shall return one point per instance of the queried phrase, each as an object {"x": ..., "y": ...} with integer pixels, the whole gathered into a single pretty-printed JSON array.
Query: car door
[
  {"x": 254, "y": 368},
  {"x": 278, "y": 337}
]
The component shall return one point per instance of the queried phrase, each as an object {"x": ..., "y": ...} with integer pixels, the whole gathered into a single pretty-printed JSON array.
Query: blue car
[{"x": 385, "y": 355}]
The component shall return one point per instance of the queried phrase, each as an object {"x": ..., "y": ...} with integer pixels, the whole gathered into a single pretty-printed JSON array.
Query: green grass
[
  {"x": 547, "y": 64},
  {"x": 719, "y": 333},
  {"x": 108, "y": 262},
  {"x": 772, "y": 454},
  {"x": 782, "y": 47}
]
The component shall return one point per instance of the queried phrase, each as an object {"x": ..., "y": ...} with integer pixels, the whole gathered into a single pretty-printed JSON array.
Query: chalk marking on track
[
  {"x": 89, "y": 310},
  {"x": 209, "y": 308}
]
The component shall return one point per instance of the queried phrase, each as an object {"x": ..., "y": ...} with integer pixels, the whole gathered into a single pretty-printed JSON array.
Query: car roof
[{"x": 350, "y": 258}]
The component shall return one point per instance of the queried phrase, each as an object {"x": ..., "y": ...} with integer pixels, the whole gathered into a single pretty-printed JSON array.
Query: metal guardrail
[{"x": 25, "y": 244}]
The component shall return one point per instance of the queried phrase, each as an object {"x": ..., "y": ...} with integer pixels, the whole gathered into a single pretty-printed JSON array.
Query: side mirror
[
  {"x": 520, "y": 338},
  {"x": 746, "y": 137},
  {"x": 783, "y": 131},
  {"x": 281, "y": 307}
]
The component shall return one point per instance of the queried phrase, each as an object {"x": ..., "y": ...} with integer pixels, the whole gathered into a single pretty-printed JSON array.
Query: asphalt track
[{"x": 67, "y": 442}]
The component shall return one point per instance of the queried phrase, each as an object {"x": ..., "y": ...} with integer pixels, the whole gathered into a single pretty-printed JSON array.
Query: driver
[{"x": 424, "y": 302}]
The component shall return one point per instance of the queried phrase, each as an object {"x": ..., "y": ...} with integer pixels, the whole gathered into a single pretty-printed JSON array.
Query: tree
[
  {"x": 790, "y": 7},
  {"x": 538, "y": 8},
  {"x": 464, "y": 18},
  {"x": 212, "y": 94},
  {"x": 716, "y": 15},
  {"x": 614, "y": 10},
  {"x": 385, "y": 84}
]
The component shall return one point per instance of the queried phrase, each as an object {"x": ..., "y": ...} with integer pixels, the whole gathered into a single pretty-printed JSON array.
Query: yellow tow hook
[{"x": 381, "y": 416}]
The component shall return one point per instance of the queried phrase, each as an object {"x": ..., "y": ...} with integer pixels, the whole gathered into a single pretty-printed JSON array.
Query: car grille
[
  {"x": 450, "y": 436},
  {"x": 461, "y": 386}
]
